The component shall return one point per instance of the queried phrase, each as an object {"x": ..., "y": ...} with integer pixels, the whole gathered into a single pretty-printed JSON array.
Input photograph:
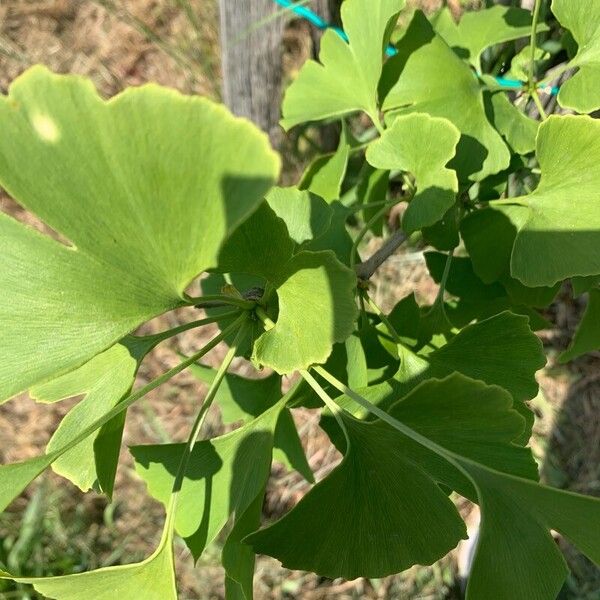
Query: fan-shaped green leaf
[
  {"x": 426, "y": 76},
  {"x": 559, "y": 236},
  {"x": 241, "y": 399},
  {"x": 470, "y": 419},
  {"x": 346, "y": 80},
  {"x": 307, "y": 216},
  {"x": 422, "y": 145},
  {"x": 325, "y": 175},
  {"x": 489, "y": 236},
  {"x": 152, "y": 579},
  {"x": 477, "y": 30},
  {"x": 309, "y": 323},
  {"x": 377, "y": 507},
  {"x": 516, "y": 127},
  {"x": 517, "y": 514},
  {"x": 238, "y": 557},
  {"x": 145, "y": 186},
  {"x": 224, "y": 476},
  {"x": 515, "y": 544},
  {"x": 582, "y": 19},
  {"x": 510, "y": 362},
  {"x": 246, "y": 250},
  {"x": 587, "y": 336},
  {"x": 105, "y": 380}
]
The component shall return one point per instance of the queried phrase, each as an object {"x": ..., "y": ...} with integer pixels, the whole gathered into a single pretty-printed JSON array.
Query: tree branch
[{"x": 365, "y": 269}]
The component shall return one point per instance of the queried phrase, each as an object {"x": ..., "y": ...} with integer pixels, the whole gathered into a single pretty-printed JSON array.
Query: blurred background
[{"x": 243, "y": 52}]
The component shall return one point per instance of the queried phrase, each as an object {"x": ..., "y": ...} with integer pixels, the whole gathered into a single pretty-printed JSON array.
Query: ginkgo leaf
[
  {"x": 587, "y": 336},
  {"x": 242, "y": 399},
  {"x": 511, "y": 362},
  {"x": 325, "y": 175},
  {"x": 372, "y": 188},
  {"x": 377, "y": 507},
  {"x": 375, "y": 520},
  {"x": 423, "y": 146},
  {"x": 309, "y": 324},
  {"x": 582, "y": 19},
  {"x": 516, "y": 127},
  {"x": 336, "y": 237},
  {"x": 238, "y": 557},
  {"x": 489, "y": 236},
  {"x": 145, "y": 187},
  {"x": 306, "y": 215},
  {"x": 515, "y": 542},
  {"x": 15, "y": 477},
  {"x": 476, "y": 300},
  {"x": 480, "y": 29},
  {"x": 224, "y": 476},
  {"x": 151, "y": 579},
  {"x": 246, "y": 250},
  {"x": 470, "y": 419},
  {"x": 426, "y": 76},
  {"x": 105, "y": 380},
  {"x": 559, "y": 229},
  {"x": 346, "y": 79}
]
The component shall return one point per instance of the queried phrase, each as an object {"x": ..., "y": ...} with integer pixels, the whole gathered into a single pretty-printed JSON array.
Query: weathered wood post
[{"x": 251, "y": 45}]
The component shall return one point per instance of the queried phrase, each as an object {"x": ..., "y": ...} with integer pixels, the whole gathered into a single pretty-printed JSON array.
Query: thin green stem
[
  {"x": 169, "y": 333},
  {"x": 360, "y": 147},
  {"x": 531, "y": 82},
  {"x": 376, "y": 121},
  {"x": 329, "y": 402},
  {"x": 364, "y": 319},
  {"x": 264, "y": 317},
  {"x": 358, "y": 207},
  {"x": 538, "y": 103},
  {"x": 217, "y": 300},
  {"x": 439, "y": 299},
  {"x": 388, "y": 325},
  {"x": 554, "y": 74},
  {"x": 378, "y": 412},
  {"x": 201, "y": 417},
  {"x": 533, "y": 44},
  {"x": 363, "y": 232},
  {"x": 135, "y": 396}
]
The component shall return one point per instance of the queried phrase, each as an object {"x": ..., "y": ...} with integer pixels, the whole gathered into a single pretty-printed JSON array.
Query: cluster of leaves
[{"x": 150, "y": 189}]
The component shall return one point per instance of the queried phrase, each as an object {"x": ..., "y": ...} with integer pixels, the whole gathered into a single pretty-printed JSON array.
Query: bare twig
[{"x": 365, "y": 269}]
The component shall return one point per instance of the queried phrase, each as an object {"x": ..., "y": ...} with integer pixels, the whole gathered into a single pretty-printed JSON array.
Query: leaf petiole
[
  {"x": 329, "y": 402},
  {"x": 200, "y": 418},
  {"x": 388, "y": 325},
  {"x": 264, "y": 317},
  {"x": 156, "y": 338},
  {"x": 218, "y": 300},
  {"x": 135, "y": 396},
  {"x": 378, "y": 412}
]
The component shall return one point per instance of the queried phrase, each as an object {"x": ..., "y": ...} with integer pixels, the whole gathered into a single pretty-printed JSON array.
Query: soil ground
[{"x": 53, "y": 527}]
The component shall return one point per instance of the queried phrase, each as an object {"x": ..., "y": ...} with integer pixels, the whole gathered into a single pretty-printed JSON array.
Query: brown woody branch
[{"x": 365, "y": 269}]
